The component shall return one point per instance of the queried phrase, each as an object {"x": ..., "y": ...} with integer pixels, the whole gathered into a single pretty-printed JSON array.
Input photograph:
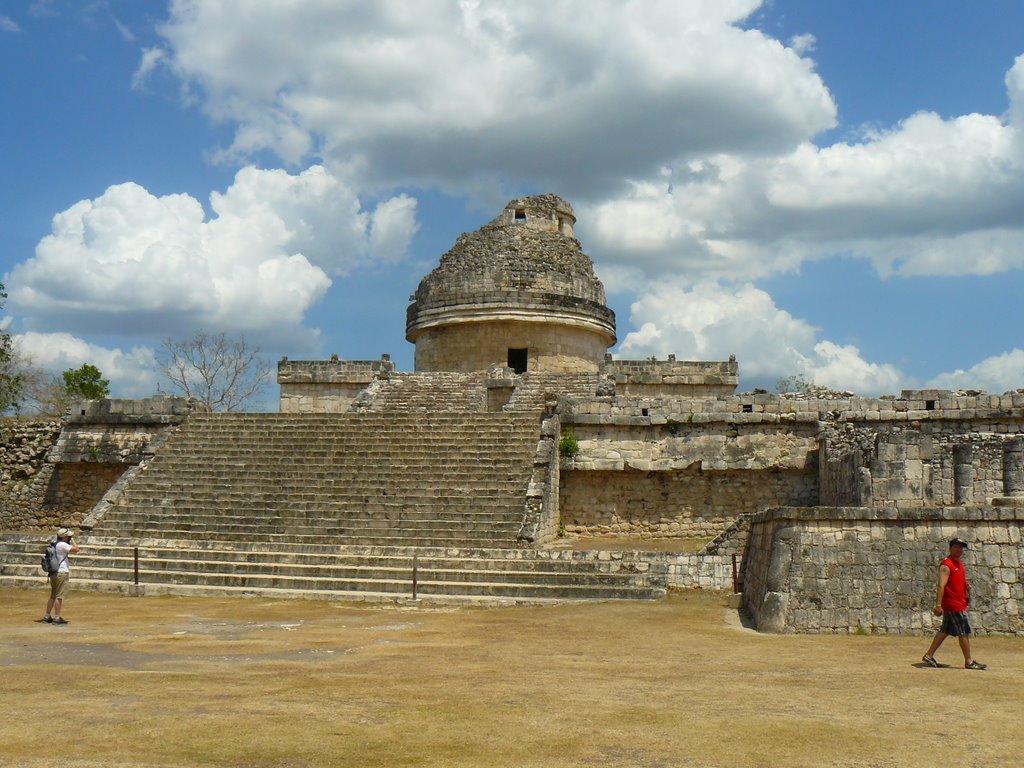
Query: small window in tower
[
  {"x": 520, "y": 216},
  {"x": 517, "y": 360},
  {"x": 929, "y": 405}
]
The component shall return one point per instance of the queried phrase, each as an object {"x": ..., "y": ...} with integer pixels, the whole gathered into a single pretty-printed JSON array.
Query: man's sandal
[
  {"x": 975, "y": 665},
  {"x": 929, "y": 661}
]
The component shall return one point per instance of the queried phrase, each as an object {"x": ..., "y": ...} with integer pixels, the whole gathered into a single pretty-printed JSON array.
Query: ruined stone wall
[
  {"x": 633, "y": 477},
  {"x": 928, "y": 464},
  {"x": 671, "y": 378},
  {"x": 57, "y": 473},
  {"x": 478, "y": 345},
  {"x": 911, "y": 469},
  {"x": 541, "y": 514},
  {"x": 637, "y": 443},
  {"x": 76, "y": 488},
  {"x": 875, "y": 570},
  {"x": 845, "y": 480},
  {"x": 687, "y": 503},
  {"x": 922, "y": 449},
  {"x": 25, "y": 473},
  {"x": 1004, "y": 414},
  {"x": 326, "y": 386},
  {"x": 319, "y": 398}
]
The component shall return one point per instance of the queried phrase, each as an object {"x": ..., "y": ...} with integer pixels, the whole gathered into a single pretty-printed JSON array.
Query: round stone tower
[{"x": 518, "y": 292}]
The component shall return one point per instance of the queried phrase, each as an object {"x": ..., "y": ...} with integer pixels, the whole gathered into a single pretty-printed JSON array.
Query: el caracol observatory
[{"x": 519, "y": 292}]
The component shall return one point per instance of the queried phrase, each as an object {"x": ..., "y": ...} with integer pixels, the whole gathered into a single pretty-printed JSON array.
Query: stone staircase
[
  {"x": 433, "y": 392},
  {"x": 425, "y": 392},
  {"x": 531, "y": 388},
  {"x": 360, "y": 573},
  {"x": 344, "y": 506}
]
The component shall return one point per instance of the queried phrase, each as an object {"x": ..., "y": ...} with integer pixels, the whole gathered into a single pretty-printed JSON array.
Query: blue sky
[{"x": 829, "y": 189}]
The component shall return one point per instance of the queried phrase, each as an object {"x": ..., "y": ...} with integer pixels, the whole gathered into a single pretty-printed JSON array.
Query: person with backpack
[{"x": 64, "y": 547}]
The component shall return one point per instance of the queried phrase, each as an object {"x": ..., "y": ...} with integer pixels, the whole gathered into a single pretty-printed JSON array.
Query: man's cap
[
  {"x": 63, "y": 532},
  {"x": 957, "y": 540}
]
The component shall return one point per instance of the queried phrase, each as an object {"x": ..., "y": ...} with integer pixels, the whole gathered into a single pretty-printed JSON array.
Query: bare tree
[
  {"x": 12, "y": 380},
  {"x": 45, "y": 395},
  {"x": 225, "y": 374}
]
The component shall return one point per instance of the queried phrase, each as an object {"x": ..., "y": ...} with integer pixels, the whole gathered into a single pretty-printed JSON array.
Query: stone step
[
  {"x": 357, "y": 440},
  {"x": 527, "y": 596},
  {"x": 361, "y": 573},
  {"x": 154, "y": 491},
  {"x": 157, "y": 570},
  {"x": 355, "y": 507},
  {"x": 26, "y": 545},
  {"x": 417, "y": 529},
  {"x": 339, "y": 505},
  {"x": 461, "y": 539},
  {"x": 122, "y": 554},
  {"x": 395, "y": 513},
  {"x": 159, "y": 475},
  {"x": 327, "y": 506},
  {"x": 265, "y": 467}
]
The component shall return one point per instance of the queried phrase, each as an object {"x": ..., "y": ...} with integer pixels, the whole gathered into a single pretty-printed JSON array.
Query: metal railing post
[{"x": 415, "y": 575}]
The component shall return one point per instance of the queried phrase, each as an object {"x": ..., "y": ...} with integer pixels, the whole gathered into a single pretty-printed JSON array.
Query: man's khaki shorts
[{"x": 58, "y": 585}]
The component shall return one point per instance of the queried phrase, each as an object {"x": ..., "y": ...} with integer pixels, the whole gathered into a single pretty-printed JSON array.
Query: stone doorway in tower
[{"x": 517, "y": 359}]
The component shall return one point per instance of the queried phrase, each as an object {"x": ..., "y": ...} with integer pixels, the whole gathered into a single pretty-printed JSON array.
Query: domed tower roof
[{"x": 523, "y": 266}]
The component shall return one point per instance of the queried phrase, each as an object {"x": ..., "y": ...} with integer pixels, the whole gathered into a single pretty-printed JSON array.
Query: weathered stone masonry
[
  {"x": 53, "y": 473},
  {"x": 25, "y": 472},
  {"x": 852, "y": 569}
]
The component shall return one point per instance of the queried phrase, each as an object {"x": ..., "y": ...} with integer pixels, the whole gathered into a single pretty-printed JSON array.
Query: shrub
[{"x": 568, "y": 445}]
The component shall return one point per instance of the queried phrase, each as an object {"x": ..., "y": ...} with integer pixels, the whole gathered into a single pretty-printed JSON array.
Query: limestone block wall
[
  {"x": 65, "y": 469},
  {"x": 319, "y": 398},
  {"x": 634, "y": 477},
  {"x": 967, "y": 469},
  {"x": 475, "y": 346},
  {"x": 845, "y": 480},
  {"x": 875, "y": 570},
  {"x": 76, "y": 488},
  {"x": 935, "y": 464},
  {"x": 672, "y": 378},
  {"x": 687, "y": 503},
  {"x": 25, "y": 472},
  {"x": 326, "y": 386},
  {"x": 641, "y": 444},
  {"x": 541, "y": 513},
  {"x": 999, "y": 414},
  {"x": 912, "y": 469}
]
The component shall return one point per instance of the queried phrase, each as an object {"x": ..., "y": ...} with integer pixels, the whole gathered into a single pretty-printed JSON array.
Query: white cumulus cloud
[
  {"x": 997, "y": 374},
  {"x": 930, "y": 196},
  {"x": 711, "y": 321},
  {"x": 129, "y": 262},
  {"x": 449, "y": 93}
]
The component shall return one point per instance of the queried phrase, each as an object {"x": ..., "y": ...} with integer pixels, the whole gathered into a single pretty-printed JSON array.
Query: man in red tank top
[{"x": 951, "y": 604}]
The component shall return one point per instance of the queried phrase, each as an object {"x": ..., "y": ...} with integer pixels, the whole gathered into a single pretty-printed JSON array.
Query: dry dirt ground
[{"x": 167, "y": 681}]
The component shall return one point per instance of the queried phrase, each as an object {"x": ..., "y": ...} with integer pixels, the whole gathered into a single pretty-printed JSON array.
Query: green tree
[{"x": 86, "y": 383}]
